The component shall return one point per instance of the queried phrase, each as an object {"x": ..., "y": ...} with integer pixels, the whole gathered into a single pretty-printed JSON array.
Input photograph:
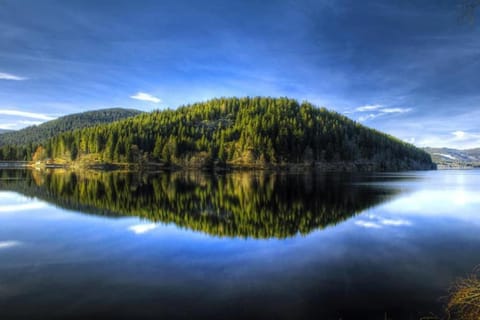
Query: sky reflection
[{"x": 399, "y": 256}]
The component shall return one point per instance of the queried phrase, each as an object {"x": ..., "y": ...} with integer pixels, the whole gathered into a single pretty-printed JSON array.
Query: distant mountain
[
  {"x": 455, "y": 158},
  {"x": 5, "y": 131},
  {"x": 47, "y": 130},
  {"x": 233, "y": 132}
]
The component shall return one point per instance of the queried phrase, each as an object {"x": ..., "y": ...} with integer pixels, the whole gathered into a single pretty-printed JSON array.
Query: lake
[{"x": 234, "y": 246}]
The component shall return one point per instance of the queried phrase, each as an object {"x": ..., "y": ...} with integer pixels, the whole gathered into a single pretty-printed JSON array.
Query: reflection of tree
[{"x": 238, "y": 204}]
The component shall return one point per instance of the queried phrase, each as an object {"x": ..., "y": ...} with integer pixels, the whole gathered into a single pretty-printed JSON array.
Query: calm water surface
[{"x": 234, "y": 246}]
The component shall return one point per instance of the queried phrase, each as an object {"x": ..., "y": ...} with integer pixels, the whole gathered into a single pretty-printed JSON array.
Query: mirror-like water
[{"x": 237, "y": 245}]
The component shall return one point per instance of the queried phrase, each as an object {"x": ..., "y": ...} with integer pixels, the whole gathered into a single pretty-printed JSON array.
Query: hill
[
  {"x": 37, "y": 134},
  {"x": 455, "y": 158},
  {"x": 234, "y": 132},
  {"x": 5, "y": 131}
]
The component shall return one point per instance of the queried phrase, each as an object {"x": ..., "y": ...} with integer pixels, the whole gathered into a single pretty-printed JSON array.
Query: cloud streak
[
  {"x": 368, "y": 108},
  {"x": 26, "y": 114},
  {"x": 376, "y": 222},
  {"x": 19, "y": 124},
  {"x": 377, "y": 110},
  {"x": 9, "y": 76},
  {"x": 146, "y": 97},
  {"x": 9, "y": 244}
]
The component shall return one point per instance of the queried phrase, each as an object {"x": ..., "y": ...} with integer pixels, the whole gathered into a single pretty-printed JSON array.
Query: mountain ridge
[
  {"x": 455, "y": 158},
  {"x": 39, "y": 133}
]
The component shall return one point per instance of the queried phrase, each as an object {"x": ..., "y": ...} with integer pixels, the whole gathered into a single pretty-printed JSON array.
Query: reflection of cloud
[
  {"x": 376, "y": 222},
  {"x": 9, "y": 244},
  {"x": 142, "y": 228},
  {"x": 21, "y": 207},
  {"x": 367, "y": 224},
  {"x": 395, "y": 222},
  {"x": 455, "y": 203}
]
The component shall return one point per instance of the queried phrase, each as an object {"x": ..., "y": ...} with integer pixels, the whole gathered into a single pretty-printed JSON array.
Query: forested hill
[
  {"x": 255, "y": 132},
  {"x": 37, "y": 134},
  {"x": 4, "y": 131}
]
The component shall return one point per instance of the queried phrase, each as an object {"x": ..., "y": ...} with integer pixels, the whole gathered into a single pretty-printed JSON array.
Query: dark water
[{"x": 234, "y": 246}]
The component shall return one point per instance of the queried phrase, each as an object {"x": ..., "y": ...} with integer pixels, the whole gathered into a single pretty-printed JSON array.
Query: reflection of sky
[
  {"x": 400, "y": 254},
  {"x": 11, "y": 202}
]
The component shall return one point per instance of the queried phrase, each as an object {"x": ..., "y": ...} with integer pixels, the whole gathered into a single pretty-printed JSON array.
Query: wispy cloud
[
  {"x": 368, "y": 108},
  {"x": 26, "y": 114},
  {"x": 459, "y": 134},
  {"x": 9, "y": 76},
  {"x": 142, "y": 228},
  {"x": 377, "y": 110},
  {"x": 15, "y": 125},
  {"x": 9, "y": 244},
  {"x": 369, "y": 117},
  {"x": 146, "y": 97},
  {"x": 395, "y": 110}
]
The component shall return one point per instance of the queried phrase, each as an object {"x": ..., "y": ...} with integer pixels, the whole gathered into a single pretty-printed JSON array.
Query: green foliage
[{"x": 255, "y": 131}]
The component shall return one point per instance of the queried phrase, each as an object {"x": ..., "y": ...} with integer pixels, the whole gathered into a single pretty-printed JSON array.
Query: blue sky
[{"x": 409, "y": 68}]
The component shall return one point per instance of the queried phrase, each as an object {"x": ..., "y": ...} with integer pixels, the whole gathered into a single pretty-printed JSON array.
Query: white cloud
[
  {"x": 369, "y": 117},
  {"x": 26, "y": 114},
  {"x": 395, "y": 110},
  {"x": 368, "y": 108},
  {"x": 459, "y": 134},
  {"x": 9, "y": 244},
  {"x": 19, "y": 124},
  {"x": 456, "y": 139},
  {"x": 142, "y": 228},
  {"x": 146, "y": 97},
  {"x": 377, "y": 110},
  {"x": 9, "y": 76}
]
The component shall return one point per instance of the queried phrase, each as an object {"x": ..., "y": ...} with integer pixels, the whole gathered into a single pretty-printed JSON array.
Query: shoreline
[{"x": 339, "y": 166}]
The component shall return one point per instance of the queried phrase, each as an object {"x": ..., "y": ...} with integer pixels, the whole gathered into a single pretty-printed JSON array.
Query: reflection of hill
[{"x": 238, "y": 204}]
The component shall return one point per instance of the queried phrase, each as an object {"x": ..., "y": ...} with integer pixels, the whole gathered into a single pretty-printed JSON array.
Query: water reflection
[{"x": 235, "y": 205}]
